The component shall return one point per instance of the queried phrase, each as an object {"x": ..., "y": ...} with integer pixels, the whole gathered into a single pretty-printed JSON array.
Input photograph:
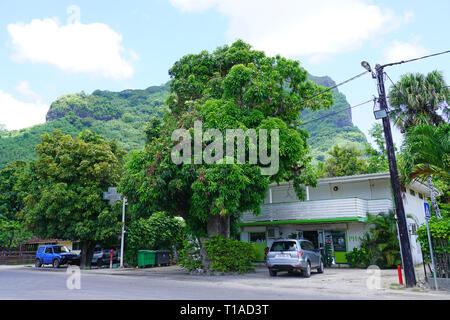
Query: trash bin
[
  {"x": 163, "y": 257},
  {"x": 146, "y": 258}
]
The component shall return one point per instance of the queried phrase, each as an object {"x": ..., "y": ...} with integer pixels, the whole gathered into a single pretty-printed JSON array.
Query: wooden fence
[{"x": 17, "y": 257}]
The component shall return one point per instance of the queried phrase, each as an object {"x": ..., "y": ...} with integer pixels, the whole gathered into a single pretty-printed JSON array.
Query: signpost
[
  {"x": 113, "y": 196},
  {"x": 426, "y": 206}
]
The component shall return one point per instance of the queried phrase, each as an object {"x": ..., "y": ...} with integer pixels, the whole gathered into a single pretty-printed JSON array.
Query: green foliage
[
  {"x": 229, "y": 255},
  {"x": 429, "y": 150},
  {"x": 64, "y": 188},
  {"x": 439, "y": 232},
  {"x": 377, "y": 157},
  {"x": 380, "y": 245},
  {"x": 189, "y": 256},
  {"x": 157, "y": 232},
  {"x": 120, "y": 116},
  {"x": 327, "y": 256},
  {"x": 234, "y": 87},
  {"x": 12, "y": 234},
  {"x": 419, "y": 99},
  {"x": 344, "y": 162}
]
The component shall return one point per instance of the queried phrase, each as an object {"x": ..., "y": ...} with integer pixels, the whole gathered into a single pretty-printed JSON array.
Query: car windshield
[
  {"x": 284, "y": 246},
  {"x": 59, "y": 249}
]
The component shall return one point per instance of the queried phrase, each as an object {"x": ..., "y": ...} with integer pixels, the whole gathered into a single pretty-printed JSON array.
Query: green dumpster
[{"x": 146, "y": 258}]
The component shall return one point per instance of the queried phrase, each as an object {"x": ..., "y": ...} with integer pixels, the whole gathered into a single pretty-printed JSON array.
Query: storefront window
[
  {"x": 338, "y": 241},
  {"x": 258, "y": 237}
]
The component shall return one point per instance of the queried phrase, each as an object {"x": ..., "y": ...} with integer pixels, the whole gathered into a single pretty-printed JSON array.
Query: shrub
[
  {"x": 439, "y": 232},
  {"x": 189, "y": 256},
  {"x": 229, "y": 255}
]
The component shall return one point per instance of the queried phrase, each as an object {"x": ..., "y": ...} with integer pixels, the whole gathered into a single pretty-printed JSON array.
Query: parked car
[
  {"x": 294, "y": 255},
  {"x": 56, "y": 255},
  {"x": 103, "y": 256}
]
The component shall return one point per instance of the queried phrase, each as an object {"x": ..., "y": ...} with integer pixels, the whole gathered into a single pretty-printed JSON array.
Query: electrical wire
[
  {"x": 420, "y": 58},
  {"x": 335, "y": 86},
  {"x": 338, "y": 111}
]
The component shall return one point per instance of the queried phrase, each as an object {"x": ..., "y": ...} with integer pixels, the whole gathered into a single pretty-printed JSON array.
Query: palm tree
[{"x": 418, "y": 99}]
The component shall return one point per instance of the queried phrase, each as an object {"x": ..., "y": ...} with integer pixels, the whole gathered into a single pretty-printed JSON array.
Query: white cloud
[
  {"x": 24, "y": 89},
  {"x": 399, "y": 50},
  {"x": 74, "y": 48},
  {"x": 294, "y": 28},
  {"x": 16, "y": 114}
]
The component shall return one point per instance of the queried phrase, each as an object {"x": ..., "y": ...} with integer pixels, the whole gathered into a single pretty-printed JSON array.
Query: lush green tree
[
  {"x": 11, "y": 201},
  {"x": 233, "y": 87},
  {"x": 418, "y": 99},
  {"x": 429, "y": 149},
  {"x": 157, "y": 232},
  {"x": 377, "y": 157},
  {"x": 344, "y": 162},
  {"x": 65, "y": 189}
]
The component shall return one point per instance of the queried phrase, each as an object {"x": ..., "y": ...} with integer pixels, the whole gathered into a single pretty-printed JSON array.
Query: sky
[{"x": 50, "y": 48}]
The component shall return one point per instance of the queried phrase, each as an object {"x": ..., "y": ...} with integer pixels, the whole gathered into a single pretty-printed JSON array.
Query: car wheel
[
  {"x": 307, "y": 271},
  {"x": 320, "y": 268},
  {"x": 56, "y": 263},
  {"x": 38, "y": 263},
  {"x": 272, "y": 273},
  {"x": 99, "y": 263}
]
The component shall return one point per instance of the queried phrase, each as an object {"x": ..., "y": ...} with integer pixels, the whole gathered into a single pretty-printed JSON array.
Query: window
[
  {"x": 284, "y": 246},
  {"x": 49, "y": 250},
  {"x": 41, "y": 249},
  {"x": 257, "y": 237},
  {"x": 421, "y": 196},
  {"x": 307, "y": 246},
  {"x": 412, "y": 192},
  {"x": 59, "y": 249}
]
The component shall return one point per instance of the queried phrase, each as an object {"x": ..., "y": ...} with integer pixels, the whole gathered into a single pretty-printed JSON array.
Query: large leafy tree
[
  {"x": 65, "y": 187},
  {"x": 420, "y": 99},
  {"x": 233, "y": 87},
  {"x": 345, "y": 161}
]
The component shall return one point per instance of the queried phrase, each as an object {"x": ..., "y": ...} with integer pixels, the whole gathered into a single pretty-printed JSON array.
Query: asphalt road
[{"x": 29, "y": 283}]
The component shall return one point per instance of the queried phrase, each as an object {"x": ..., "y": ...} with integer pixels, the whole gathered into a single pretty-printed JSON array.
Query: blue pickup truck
[{"x": 55, "y": 255}]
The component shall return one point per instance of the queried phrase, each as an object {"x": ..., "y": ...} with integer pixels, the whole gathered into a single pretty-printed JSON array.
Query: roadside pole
[
  {"x": 427, "y": 217},
  {"x": 124, "y": 203},
  {"x": 399, "y": 208}
]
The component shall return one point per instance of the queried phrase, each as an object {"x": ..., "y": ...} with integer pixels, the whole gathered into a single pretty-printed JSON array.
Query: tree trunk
[
  {"x": 433, "y": 198},
  {"x": 217, "y": 225},
  {"x": 87, "y": 251}
]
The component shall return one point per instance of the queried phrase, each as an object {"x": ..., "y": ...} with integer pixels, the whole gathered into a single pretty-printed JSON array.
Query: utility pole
[{"x": 399, "y": 208}]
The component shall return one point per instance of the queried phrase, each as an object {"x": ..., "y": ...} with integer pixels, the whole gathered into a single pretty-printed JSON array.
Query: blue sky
[{"x": 50, "y": 48}]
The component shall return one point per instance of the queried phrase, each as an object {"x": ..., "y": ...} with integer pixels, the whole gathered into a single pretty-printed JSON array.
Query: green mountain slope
[
  {"x": 123, "y": 116},
  {"x": 333, "y": 126}
]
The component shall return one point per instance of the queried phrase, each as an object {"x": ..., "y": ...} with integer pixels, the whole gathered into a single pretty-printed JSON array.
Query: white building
[{"x": 335, "y": 210}]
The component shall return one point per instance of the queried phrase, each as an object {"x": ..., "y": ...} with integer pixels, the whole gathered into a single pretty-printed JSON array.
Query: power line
[
  {"x": 331, "y": 114},
  {"x": 415, "y": 59},
  {"x": 335, "y": 86}
]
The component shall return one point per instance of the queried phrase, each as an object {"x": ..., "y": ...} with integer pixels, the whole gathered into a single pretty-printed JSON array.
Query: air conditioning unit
[{"x": 273, "y": 233}]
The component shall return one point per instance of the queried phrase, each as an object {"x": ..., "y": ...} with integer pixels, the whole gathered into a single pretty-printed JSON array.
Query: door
[
  {"x": 309, "y": 249},
  {"x": 48, "y": 255}
]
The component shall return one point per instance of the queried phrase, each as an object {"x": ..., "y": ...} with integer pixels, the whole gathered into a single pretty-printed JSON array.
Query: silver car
[{"x": 294, "y": 255}]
